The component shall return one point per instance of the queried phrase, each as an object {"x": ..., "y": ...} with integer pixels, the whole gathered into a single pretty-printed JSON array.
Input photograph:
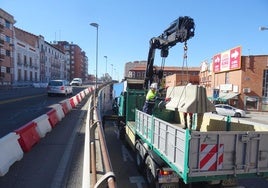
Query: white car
[
  {"x": 76, "y": 82},
  {"x": 62, "y": 87},
  {"x": 227, "y": 110}
]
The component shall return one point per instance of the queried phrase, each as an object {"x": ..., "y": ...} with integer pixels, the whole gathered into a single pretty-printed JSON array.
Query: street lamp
[
  {"x": 263, "y": 28},
  {"x": 97, "y": 27},
  {"x": 106, "y": 64}
]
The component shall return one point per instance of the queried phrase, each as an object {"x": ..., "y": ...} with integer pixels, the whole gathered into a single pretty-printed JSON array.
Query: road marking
[
  {"x": 138, "y": 180},
  {"x": 126, "y": 154},
  {"x": 19, "y": 99}
]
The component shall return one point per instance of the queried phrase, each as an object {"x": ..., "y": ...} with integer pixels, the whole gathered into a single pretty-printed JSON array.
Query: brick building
[
  {"x": 6, "y": 48},
  {"x": 245, "y": 87},
  {"x": 77, "y": 60},
  {"x": 172, "y": 75}
]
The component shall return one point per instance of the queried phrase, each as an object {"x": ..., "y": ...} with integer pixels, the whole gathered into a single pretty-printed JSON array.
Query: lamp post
[
  {"x": 96, "y": 73},
  {"x": 263, "y": 28}
]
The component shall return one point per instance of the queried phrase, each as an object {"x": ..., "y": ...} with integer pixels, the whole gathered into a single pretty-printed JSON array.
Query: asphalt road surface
[{"x": 56, "y": 161}]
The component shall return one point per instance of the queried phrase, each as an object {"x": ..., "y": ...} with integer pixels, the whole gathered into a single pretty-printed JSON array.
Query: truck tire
[
  {"x": 150, "y": 170},
  {"x": 139, "y": 159}
]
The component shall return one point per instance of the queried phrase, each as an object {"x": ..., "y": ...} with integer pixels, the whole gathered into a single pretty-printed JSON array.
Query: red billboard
[{"x": 228, "y": 60}]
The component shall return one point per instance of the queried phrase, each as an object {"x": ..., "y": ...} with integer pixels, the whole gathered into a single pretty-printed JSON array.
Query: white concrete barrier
[
  {"x": 59, "y": 111},
  {"x": 75, "y": 100},
  {"x": 86, "y": 91},
  {"x": 43, "y": 125},
  {"x": 10, "y": 152},
  {"x": 69, "y": 106},
  {"x": 82, "y": 94}
]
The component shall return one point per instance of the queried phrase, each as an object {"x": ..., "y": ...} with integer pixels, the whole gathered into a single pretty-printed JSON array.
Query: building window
[
  {"x": 8, "y": 25},
  {"x": 31, "y": 62},
  {"x": 8, "y": 53},
  {"x": 252, "y": 103},
  {"x": 8, "y": 39},
  {"x": 265, "y": 84},
  {"x": 25, "y": 60}
]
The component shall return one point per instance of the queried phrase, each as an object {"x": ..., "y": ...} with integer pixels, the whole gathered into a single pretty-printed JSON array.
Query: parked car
[
  {"x": 76, "y": 82},
  {"x": 62, "y": 87},
  {"x": 227, "y": 110}
]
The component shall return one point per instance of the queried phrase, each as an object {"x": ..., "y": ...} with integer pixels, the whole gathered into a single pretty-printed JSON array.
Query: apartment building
[
  {"x": 36, "y": 60},
  {"x": 26, "y": 58},
  {"x": 6, "y": 48},
  {"x": 77, "y": 60}
]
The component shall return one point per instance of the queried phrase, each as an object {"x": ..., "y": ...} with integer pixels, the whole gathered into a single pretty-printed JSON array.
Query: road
[
  {"x": 56, "y": 161},
  {"x": 49, "y": 162},
  {"x": 21, "y": 105}
]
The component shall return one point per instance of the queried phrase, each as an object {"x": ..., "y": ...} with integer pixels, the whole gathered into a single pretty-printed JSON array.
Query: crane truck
[{"x": 167, "y": 154}]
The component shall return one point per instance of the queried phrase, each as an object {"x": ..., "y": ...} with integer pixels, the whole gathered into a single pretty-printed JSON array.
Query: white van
[{"x": 76, "y": 82}]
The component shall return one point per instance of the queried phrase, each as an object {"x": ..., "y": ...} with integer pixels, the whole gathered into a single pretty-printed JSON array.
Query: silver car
[
  {"x": 76, "y": 82},
  {"x": 227, "y": 110},
  {"x": 61, "y": 87}
]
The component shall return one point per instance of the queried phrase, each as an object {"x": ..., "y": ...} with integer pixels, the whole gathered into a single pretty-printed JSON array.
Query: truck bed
[{"x": 204, "y": 156}]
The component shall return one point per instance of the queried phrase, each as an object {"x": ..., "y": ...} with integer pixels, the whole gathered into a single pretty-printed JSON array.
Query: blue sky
[{"x": 125, "y": 27}]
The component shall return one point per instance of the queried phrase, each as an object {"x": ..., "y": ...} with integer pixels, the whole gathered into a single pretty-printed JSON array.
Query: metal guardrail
[{"x": 99, "y": 157}]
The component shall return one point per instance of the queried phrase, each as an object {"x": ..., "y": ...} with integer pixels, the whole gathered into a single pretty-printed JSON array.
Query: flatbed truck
[{"x": 171, "y": 156}]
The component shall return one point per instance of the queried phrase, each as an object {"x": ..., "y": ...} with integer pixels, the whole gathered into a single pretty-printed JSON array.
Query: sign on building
[{"x": 228, "y": 60}]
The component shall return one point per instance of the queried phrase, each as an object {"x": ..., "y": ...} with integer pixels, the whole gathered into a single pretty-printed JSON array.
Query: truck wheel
[
  {"x": 150, "y": 170},
  {"x": 139, "y": 159}
]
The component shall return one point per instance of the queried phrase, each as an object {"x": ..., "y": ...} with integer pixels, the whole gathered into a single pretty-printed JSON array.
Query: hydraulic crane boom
[{"x": 180, "y": 30}]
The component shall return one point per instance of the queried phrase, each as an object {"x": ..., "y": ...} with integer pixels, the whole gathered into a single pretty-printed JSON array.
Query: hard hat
[{"x": 154, "y": 85}]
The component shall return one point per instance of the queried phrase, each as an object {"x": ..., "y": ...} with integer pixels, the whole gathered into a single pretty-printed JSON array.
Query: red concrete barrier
[
  {"x": 28, "y": 136},
  {"x": 53, "y": 117},
  {"x": 78, "y": 98},
  {"x": 72, "y": 102}
]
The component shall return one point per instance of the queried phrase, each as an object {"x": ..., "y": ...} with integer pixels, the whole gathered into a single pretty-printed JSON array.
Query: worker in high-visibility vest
[{"x": 150, "y": 99}]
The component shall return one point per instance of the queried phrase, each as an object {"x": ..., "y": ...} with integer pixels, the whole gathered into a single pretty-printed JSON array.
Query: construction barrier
[
  {"x": 86, "y": 91},
  {"x": 82, "y": 95},
  {"x": 59, "y": 111},
  {"x": 72, "y": 102},
  {"x": 66, "y": 106},
  {"x": 10, "y": 152},
  {"x": 52, "y": 117},
  {"x": 78, "y": 97},
  {"x": 75, "y": 100},
  {"x": 23, "y": 139},
  {"x": 28, "y": 136},
  {"x": 43, "y": 125}
]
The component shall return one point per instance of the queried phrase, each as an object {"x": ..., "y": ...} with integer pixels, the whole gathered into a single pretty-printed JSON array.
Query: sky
[{"x": 126, "y": 27}]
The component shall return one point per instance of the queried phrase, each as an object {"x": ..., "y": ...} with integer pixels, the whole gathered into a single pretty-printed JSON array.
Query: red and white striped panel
[{"x": 211, "y": 157}]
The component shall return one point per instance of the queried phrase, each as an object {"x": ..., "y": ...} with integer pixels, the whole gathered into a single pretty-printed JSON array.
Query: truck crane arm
[{"x": 180, "y": 30}]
